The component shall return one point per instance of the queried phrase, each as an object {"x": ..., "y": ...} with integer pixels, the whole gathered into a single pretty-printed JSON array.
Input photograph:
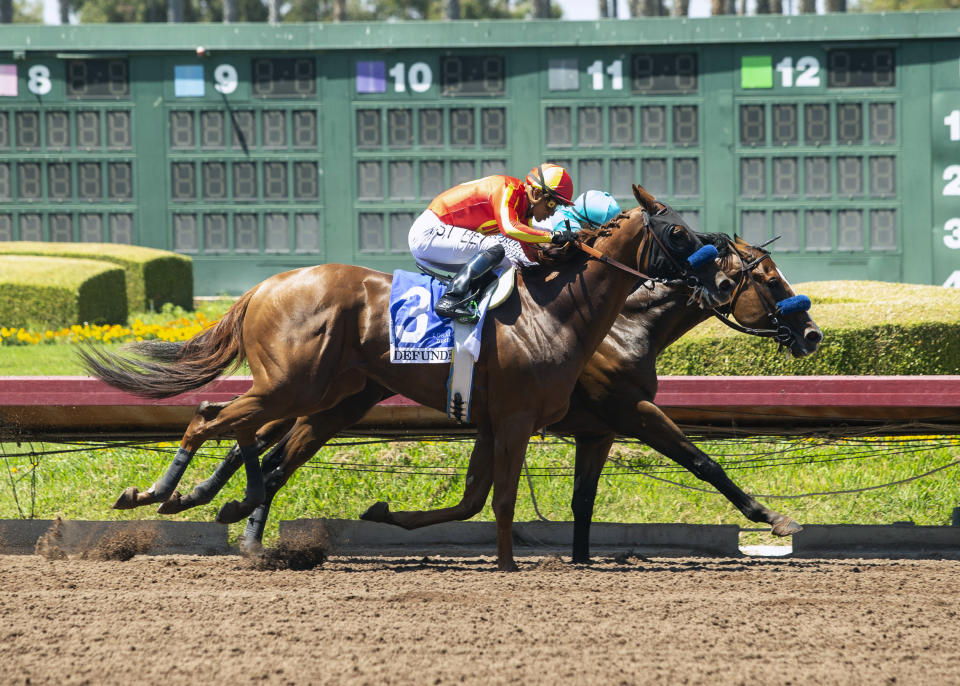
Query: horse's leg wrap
[
  {"x": 204, "y": 491},
  {"x": 164, "y": 487},
  {"x": 255, "y": 492},
  {"x": 273, "y": 481},
  {"x": 256, "y": 523}
]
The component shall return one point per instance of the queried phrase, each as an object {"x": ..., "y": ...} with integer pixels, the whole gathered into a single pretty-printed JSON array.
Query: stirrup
[
  {"x": 465, "y": 311},
  {"x": 471, "y": 315}
]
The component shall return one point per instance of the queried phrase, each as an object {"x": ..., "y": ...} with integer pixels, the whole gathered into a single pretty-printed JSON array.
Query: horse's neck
[
  {"x": 580, "y": 302},
  {"x": 654, "y": 319},
  {"x": 607, "y": 287},
  {"x": 575, "y": 306}
]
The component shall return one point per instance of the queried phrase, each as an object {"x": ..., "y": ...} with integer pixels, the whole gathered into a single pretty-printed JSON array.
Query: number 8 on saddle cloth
[{"x": 420, "y": 336}]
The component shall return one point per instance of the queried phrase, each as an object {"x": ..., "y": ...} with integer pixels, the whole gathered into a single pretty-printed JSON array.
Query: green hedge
[
  {"x": 54, "y": 292},
  {"x": 154, "y": 277},
  {"x": 869, "y": 328}
]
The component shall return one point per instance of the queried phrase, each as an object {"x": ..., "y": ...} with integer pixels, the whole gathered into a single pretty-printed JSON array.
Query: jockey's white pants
[{"x": 443, "y": 246}]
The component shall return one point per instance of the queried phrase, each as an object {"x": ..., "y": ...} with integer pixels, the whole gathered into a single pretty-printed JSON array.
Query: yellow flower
[{"x": 180, "y": 329}]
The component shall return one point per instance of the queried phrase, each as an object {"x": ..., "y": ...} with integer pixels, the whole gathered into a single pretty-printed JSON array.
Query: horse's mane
[
  {"x": 553, "y": 257},
  {"x": 721, "y": 241}
]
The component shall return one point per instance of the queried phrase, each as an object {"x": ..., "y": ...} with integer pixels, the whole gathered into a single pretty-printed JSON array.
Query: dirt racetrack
[{"x": 381, "y": 620}]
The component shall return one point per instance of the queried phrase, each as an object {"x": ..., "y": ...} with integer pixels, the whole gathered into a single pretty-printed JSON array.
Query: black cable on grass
[
  {"x": 864, "y": 447},
  {"x": 377, "y": 469},
  {"x": 626, "y": 469},
  {"x": 840, "y": 436},
  {"x": 769, "y": 458},
  {"x": 63, "y": 451},
  {"x": 767, "y": 496}
]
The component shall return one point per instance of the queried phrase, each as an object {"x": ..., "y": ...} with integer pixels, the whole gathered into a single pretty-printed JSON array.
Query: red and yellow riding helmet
[{"x": 553, "y": 180}]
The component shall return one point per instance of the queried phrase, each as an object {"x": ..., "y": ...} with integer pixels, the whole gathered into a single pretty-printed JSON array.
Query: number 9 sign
[{"x": 225, "y": 78}]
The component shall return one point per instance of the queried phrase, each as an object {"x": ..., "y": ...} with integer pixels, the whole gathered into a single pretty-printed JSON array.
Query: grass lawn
[
  {"x": 639, "y": 485},
  {"x": 40, "y": 360}
]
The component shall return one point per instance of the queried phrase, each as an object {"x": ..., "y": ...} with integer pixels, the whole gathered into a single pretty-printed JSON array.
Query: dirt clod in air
[
  {"x": 122, "y": 545},
  {"x": 48, "y": 545},
  {"x": 302, "y": 551}
]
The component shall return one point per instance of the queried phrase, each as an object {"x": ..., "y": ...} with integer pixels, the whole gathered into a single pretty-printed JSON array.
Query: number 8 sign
[{"x": 38, "y": 79}]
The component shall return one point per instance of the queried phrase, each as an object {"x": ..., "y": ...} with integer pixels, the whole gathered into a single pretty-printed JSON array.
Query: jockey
[
  {"x": 591, "y": 209},
  {"x": 482, "y": 224}
]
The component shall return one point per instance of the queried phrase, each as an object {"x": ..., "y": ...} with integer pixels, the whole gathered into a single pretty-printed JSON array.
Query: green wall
[{"x": 281, "y": 146}]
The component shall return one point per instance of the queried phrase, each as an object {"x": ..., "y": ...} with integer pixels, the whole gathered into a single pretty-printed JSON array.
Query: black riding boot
[{"x": 456, "y": 303}]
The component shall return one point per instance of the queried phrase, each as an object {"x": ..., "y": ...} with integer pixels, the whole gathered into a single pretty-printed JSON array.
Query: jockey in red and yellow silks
[
  {"x": 478, "y": 225},
  {"x": 492, "y": 205}
]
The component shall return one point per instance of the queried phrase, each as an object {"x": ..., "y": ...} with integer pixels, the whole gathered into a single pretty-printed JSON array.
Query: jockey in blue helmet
[{"x": 591, "y": 209}]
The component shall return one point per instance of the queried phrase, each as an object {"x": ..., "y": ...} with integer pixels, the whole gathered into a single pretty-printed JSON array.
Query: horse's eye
[
  {"x": 678, "y": 234},
  {"x": 773, "y": 282}
]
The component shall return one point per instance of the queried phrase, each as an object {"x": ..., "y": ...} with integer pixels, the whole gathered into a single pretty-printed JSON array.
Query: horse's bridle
[
  {"x": 687, "y": 275},
  {"x": 781, "y": 333}
]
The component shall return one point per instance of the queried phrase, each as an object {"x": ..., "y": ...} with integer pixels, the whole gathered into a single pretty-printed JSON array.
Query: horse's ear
[
  {"x": 738, "y": 240},
  {"x": 646, "y": 200}
]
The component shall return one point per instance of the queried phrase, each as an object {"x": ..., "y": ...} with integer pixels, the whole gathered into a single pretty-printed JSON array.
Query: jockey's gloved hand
[{"x": 563, "y": 237}]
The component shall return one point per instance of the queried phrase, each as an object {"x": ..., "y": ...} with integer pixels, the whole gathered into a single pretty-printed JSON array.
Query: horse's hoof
[
  {"x": 378, "y": 512},
  {"x": 510, "y": 566},
  {"x": 127, "y": 499},
  {"x": 785, "y": 526},
  {"x": 172, "y": 505},
  {"x": 232, "y": 512}
]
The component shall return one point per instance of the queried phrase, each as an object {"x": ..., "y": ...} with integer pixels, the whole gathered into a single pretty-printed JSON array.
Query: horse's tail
[
  {"x": 158, "y": 351},
  {"x": 174, "y": 368}
]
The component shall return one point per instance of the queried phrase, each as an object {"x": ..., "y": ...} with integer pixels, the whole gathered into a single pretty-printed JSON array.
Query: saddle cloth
[{"x": 418, "y": 335}]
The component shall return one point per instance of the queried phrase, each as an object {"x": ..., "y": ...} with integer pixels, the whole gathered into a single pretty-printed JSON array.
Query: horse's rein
[{"x": 593, "y": 252}]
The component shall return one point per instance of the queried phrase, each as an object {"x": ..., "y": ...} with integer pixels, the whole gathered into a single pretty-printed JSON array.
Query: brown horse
[
  {"x": 613, "y": 396},
  {"x": 317, "y": 336}
]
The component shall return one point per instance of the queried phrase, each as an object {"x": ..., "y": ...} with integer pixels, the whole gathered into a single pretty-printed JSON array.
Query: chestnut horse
[
  {"x": 316, "y": 336},
  {"x": 614, "y": 395}
]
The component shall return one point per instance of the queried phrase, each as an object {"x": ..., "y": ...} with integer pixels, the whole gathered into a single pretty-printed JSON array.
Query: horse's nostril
[
  {"x": 813, "y": 336},
  {"x": 726, "y": 285}
]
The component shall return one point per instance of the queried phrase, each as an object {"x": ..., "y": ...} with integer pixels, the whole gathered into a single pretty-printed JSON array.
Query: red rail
[
  {"x": 62, "y": 406},
  {"x": 675, "y": 391}
]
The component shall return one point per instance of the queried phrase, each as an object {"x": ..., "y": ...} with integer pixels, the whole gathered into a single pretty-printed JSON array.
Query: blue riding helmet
[{"x": 592, "y": 208}]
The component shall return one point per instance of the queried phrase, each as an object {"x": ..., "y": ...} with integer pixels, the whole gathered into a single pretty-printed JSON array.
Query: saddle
[{"x": 498, "y": 287}]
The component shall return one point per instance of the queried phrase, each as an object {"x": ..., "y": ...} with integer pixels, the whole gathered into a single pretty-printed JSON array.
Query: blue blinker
[
  {"x": 701, "y": 257},
  {"x": 796, "y": 303}
]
